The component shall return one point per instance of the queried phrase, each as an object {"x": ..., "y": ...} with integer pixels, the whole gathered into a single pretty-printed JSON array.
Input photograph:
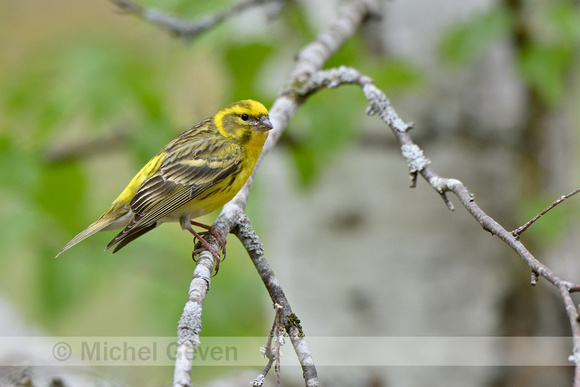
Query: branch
[
  {"x": 58, "y": 153},
  {"x": 232, "y": 218},
  {"x": 251, "y": 242},
  {"x": 304, "y": 80},
  {"x": 418, "y": 164},
  {"x": 188, "y": 29},
  {"x": 189, "y": 325}
]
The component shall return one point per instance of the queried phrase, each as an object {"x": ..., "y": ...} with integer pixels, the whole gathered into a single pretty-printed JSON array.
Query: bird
[{"x": 195, "y": 174}]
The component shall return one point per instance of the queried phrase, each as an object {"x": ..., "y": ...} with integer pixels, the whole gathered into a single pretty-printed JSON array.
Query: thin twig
[
  {"x": 417, "y": 163},
  {"x": 518, "y": 231},
  {"x": 58, "y": 153},
  {"x": 187, "y": 29},
  {"x": 269, "y": 352},
  {"x": 309, "y": 61},
  {"x": 252, "y": 244},
  {"x": 278, "y": 343},
  {"x": 232, "y": 218}
]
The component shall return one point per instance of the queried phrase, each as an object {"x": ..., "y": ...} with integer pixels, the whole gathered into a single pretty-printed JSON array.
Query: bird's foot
[{"x": 220, "y": 238}]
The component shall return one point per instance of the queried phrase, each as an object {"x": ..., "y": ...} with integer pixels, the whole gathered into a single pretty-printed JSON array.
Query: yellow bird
[{"x": 193, "y": 175}]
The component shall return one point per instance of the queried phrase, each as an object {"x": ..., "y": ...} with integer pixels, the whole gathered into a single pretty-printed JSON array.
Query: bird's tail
[
  {"x": 129, "y": 234},
  {"x": 112, "y": 219},
  {"x": 97, "y": 226}
]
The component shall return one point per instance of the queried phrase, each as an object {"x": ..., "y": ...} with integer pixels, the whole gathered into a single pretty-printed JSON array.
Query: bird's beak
[{"x": 265, "y": 124}]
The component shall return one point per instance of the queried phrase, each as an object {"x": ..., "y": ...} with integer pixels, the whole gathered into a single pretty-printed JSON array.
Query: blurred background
[{"x": 88, "y": 95}]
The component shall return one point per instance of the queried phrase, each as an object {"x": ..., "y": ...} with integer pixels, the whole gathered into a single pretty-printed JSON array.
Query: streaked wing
[
  {"x": 177, "y": 182},
  {"x": 180, "y": 181}
]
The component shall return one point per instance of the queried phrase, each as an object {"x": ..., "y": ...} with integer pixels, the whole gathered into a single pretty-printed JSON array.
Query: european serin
[{"x": 193, "y": 175}]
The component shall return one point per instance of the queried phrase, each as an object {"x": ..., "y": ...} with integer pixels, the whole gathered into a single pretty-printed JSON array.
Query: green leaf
[
  {"x": 550, "y": 228},
  {"x": 305, "y": 163},
  {"x": 550, "y": 54},
  {"x": 185, "y": 8},
  {"x": 544, "y": 67},
  {"x": 152, "y": 136},
  {"x": 563, "y": 18},
  {"x": 55, "y": 179},
  {"x": 298, "y": 27},
  {"x": 393, "y": 74},
  {"x": 244, "y": 62},
  {"x": 19, "y": 169},
  {"x": 466, "y": 42},
  {"x": 323, "y": 128},
  {"x": 396, "y": 75}
]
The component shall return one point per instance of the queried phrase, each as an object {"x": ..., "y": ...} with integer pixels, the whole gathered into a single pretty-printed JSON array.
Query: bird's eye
[{"x": 244, "y": 117}]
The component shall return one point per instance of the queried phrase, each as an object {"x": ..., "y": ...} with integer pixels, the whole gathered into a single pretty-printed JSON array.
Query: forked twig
[
  {"x": 232, "y": 218},
  {"x": 418, "y": 164},
  {"x": 518, "y": 231},
  {"x": 183, "y": 28},
  {"x": 272, "y": 353}
]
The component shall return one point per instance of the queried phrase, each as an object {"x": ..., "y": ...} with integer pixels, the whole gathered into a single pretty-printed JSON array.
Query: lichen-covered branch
[
  {"x": 305, "y": 79},
  {"x": 232, "y": 219},
  {"x": 189, "y": 325},
  {"x": 418, "y": 164}
]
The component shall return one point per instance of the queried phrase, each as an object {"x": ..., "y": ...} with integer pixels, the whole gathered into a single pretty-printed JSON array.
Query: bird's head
[{"x": 243, "y": 120}]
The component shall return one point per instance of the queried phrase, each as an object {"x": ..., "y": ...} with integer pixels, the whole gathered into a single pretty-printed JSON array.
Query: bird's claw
[{"x": 206, "y": 246}]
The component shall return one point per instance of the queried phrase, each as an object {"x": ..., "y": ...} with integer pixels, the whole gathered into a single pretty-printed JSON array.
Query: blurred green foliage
[
  {"x": 245, "y": 73},
  {"x": 546, "y": 36},
  {"x": 332, "y": 120},
  {"x": 74, "y": 74},
  {"x": 546, "y": 60},
  {"x": 467, "y": 41}
]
